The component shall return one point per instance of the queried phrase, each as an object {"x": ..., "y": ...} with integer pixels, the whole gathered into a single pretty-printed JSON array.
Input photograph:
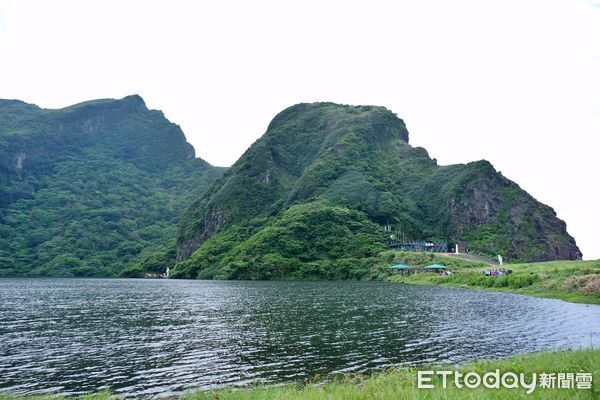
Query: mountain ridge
[
  {"x": 98, "y": 188},
  {"x": 357, "y": 159},
  {"x": 90, "y": 188}
]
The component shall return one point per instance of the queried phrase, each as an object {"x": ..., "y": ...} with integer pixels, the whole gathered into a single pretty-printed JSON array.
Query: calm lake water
[{"x": 156, "y": 337}]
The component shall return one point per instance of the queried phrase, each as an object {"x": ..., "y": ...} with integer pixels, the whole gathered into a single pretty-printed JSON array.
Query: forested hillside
[
  {"x": 98, "y": 189},
  {"x": 90, "y": 189},
  {"x": 311, "y": 196}
]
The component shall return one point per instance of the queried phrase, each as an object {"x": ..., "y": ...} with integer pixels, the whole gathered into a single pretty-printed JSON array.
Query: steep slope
[
  {"x": 309, "y": 199},
  {"x": 90, "y": 189}
]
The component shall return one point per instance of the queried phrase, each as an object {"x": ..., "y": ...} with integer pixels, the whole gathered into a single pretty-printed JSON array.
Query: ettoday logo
[{"x": 508, "y": 380}]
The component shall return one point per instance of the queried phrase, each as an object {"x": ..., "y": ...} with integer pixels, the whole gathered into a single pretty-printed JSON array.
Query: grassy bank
[
  {"x": 574, "y": 281},
  {"x": 402, "y": 383}
]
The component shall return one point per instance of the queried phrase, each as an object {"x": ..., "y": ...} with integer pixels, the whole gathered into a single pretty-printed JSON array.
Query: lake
[{"x": 157, "y": 337}]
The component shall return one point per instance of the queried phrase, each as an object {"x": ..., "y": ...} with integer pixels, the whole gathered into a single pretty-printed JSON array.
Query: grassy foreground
[
  {"x": 402, "y": 383},
  {"x": 574, "y": 281}
]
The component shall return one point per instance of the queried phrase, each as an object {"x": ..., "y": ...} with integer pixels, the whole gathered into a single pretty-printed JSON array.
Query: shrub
[{"x": 517, "y": 281}]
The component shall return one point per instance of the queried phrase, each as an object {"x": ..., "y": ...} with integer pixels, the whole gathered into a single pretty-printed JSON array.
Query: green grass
[
  {"x": 574, "y": 281},
  {"x": 402, "y": 383}
]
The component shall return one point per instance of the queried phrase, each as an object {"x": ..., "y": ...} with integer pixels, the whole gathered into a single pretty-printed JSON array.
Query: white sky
[{"x": 514, "y": 82}]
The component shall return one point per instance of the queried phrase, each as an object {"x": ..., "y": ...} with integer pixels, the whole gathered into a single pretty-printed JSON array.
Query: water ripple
[{"x": 155, "y": 338}]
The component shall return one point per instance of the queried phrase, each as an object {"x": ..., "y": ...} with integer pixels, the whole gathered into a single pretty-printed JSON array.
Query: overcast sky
[{"x": 514, "y": 82}]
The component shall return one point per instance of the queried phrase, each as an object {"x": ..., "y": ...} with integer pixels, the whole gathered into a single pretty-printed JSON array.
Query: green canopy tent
[
  {"x": 401, "y": 268},
  {"x": 435, "y": 267}
]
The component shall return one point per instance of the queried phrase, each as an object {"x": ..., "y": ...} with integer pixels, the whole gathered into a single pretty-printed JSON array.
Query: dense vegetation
[
  {"x": 402, "y": 383},
  {"x": 91, "y": 189},
  {"x": 308, "y": 241},
  {"x": 96, "y": 189},
  {"x": 310, "y": 197}
]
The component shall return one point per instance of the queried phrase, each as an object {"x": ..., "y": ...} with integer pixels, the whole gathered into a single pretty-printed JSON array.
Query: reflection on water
[{"x": 147, "y": 337}]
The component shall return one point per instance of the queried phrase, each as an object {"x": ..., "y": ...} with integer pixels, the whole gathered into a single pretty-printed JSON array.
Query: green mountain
[
  {"x": 309, "y": 200},
  {"x": 91, "y": 189}
]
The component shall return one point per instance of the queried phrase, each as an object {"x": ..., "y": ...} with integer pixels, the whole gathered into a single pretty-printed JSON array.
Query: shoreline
[
  {"x": 569, "y": 281},
  {"x": 566, "y": 297},
  {"x": 395, "y": 383}
]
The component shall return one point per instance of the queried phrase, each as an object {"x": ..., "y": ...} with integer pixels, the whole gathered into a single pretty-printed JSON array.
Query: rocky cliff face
[
  {"x": 358, "y": 158},
  {"x": 495, "y": 215}
]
